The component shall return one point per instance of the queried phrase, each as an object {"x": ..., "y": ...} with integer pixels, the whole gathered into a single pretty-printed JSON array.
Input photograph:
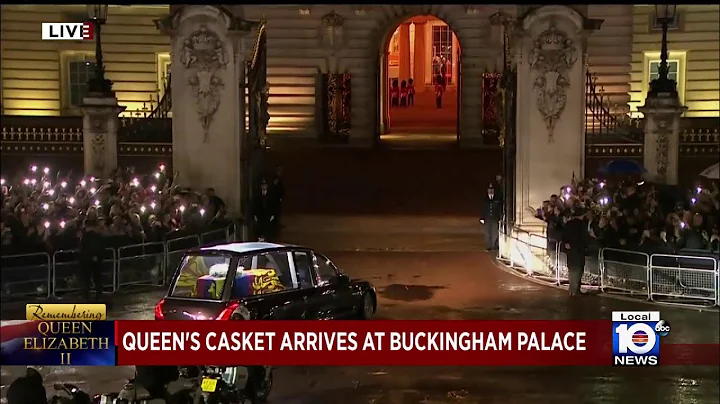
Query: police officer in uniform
[
  {"x": 575, "y": 242},
  {"x": 492, "y": 214}
]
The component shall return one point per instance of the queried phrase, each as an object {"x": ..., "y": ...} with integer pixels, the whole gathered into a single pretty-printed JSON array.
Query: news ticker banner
[{"x": 631, "y": 339}]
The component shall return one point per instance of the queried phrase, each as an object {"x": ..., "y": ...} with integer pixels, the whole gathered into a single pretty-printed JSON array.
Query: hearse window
[
  {"x": 201, "y": 277},
  {"x": 324, "y": 269},
  {"x": 302, "y": 268},
  {"x": 262, "y": 274}
]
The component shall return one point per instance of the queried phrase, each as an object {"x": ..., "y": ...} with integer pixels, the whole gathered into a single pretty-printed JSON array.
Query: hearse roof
[{"x": 244, "y": 248}]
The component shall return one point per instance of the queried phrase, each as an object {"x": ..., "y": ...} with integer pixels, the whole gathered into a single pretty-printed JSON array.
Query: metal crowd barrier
[
  {"x": 175, "y": 249},
  {"x": 689, "y": 279},
  {"x": 624, "y": 271},
  {"x": 68, "y": 267},
  {"x": 45, "y": 275},
  {"x": 141, "y": 264},
  {"x": 26, "y": 275},
  {"x": 215, "y": 237},
  {"x": 684, "y": 279}
]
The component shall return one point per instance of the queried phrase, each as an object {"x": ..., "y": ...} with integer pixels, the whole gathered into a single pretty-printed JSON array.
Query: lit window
[
  {"x": 79, "y": 73},
  {"x": 442, "y": 52},
  {"x": 165, "y": 75},
  {"x": 673, "y": 69},
  {"x": 163, "y": 69}
]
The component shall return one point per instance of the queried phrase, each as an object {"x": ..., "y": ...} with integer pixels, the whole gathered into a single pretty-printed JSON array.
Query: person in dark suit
[
  {"x": 491, "y": 216},
  {"x": 265, "y": 213},
  {"x": 94, "y": 239},
  {"x": 575, "y": 243}
]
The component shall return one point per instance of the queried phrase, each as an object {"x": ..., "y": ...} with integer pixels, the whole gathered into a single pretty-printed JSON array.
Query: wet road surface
[{"x": 431, "y": 278}]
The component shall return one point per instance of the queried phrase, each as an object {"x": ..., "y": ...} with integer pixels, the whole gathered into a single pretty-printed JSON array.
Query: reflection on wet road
[{"x": 458, "y": 285}]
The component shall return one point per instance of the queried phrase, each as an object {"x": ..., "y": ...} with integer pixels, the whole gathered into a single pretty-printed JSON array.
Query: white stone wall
[
  {"x": 547, "y": 159},
  {"x": 296, "y": 57},
  {"x": 207, "y": 158}
]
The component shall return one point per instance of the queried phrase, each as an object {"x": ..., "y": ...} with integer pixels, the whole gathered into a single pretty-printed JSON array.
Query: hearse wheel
[{"x": 367, "y": 309}]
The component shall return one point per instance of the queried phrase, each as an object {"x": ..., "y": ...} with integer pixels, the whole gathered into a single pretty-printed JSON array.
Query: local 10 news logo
[{"x": 636, "y": 337}]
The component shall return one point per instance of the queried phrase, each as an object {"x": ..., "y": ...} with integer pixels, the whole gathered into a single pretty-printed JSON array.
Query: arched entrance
[
  {"x": 413, "y": 179},
  {"x": 426, "y": 50}
]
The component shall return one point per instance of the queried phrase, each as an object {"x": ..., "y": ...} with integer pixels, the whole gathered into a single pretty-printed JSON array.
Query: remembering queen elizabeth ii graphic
[{"x": 12, "y": 335}]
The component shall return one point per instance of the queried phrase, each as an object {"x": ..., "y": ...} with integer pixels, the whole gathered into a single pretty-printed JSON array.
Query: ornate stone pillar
[
  {"x": 419, "y": 57},
  {"x": 404, "y": 50},
  {"x": 549, "y": 46},
  {"x": 333, "y": 41},
  {"x": 207, "y": 52},
  {"x": 662, "y": 137},
  {"x": 100, "y": 127}
]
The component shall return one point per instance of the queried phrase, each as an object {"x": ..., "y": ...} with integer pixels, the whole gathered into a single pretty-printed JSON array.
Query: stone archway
[
  {"x": 425, "y": 46},
  {"x": 392, "y": 17}
]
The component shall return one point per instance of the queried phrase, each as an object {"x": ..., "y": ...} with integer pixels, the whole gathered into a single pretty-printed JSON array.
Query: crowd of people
[
  {"x": 44, "y": 210},
  {"x": 639, "y": 216}
]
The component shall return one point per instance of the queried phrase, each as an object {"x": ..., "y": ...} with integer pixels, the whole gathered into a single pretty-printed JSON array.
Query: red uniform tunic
[{"x": 395, "y": 92}]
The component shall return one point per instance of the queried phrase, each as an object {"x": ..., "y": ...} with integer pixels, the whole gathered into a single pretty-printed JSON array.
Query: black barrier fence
[{"x": 52, "y": 275}]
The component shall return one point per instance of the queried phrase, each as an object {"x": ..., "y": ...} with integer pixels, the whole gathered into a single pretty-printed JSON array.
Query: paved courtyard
[{"x": 439, "y": 273}]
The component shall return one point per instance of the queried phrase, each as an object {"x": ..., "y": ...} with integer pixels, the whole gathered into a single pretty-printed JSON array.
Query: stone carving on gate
[
  {"x": 332, "y": 31},
  {"x": 552, "y": 57},
  {"x": 98, "y": 126},
  {"x": 98, "y": 151},
  {"x": 662, "y": 132},
  {"x": 204, "y": 53}
]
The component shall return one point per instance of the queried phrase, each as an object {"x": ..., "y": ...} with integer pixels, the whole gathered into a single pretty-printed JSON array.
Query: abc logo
[
  {"x": 662, "y": 328},
  {"x": 638, "y": 338}
]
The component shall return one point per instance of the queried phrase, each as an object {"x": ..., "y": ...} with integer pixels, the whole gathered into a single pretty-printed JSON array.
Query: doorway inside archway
[{"x": 420, "y": 81}]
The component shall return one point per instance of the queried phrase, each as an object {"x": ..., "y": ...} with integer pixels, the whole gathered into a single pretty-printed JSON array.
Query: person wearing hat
[
  {"x": 575, "y": 242},
  {"x": 491, "y": 216}
]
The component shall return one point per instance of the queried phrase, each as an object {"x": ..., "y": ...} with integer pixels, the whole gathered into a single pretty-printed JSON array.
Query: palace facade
[{"x": 47, "y": 78}]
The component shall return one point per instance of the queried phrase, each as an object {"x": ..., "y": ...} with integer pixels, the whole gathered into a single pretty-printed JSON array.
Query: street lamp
[
  {"x": 97, "y": 13},
  {"x": 665, "y": 14}
]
